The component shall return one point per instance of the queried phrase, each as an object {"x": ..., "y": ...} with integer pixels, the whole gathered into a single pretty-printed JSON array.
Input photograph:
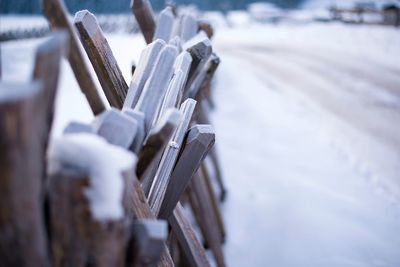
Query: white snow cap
[{"x": 104, "y": 164}]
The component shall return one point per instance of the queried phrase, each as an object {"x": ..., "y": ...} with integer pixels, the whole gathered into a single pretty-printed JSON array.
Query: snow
[
  {"x": 306, "y": 128},
  {"x": 104, "y": 165}
]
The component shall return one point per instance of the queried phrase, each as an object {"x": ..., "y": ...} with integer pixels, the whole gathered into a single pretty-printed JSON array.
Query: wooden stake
[
  {"x": 57, "y": 15},
  {"x": 102, "y": 58},
  {"x": 145, "y": 17}
]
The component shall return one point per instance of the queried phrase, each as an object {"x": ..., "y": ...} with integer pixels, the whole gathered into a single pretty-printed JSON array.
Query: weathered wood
[
  {"x": 152, "y": 150},
  {"x": 137, "y": 207},
  {"x": 170, "y": 155},
  {"x": 148, "y": 242},
  {"x": 177, "y": 42},
  {"x": 145, "y": 17},
  {"x": 140, "y": 134},
  {"x": 188, "y": 27},
  {"x": 57, "y": 15},
  {"x": 165, "y": 23},
  {"x": 147, "y": 61},
  {"x": 174, "y": 94},
  {"x": 78, "y": 239},
  {"x": 199, "y": 140},
  {"x": 78, "y": 127},
  {"x": 156, "y": 86},
  {"x": 22, "y": 232},
  {"x": 191, "y": 246},
  {"x": 116, "y": 127},
  {"x": 102, "y": 58},
  {"x": 210, "y": 229}
]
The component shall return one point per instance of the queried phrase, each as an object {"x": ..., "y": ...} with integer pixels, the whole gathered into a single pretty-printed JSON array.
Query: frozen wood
[
  {"x": 140, "y": 134},
  {"x": 147, "y": 61},
  {"x": 137, "y": 207},
  {"x": 22, "y": 155},
  {"x": 170, "y": 155},
  {"x": 174, "y": 93},
  {"x": 57, "y": 15},
  {"x": 152, "y": 150},
  {"x": 177, "y": 42},
  {"x": 199, "y": 140},
  {"x": 156, "y": 86},
  {"x": 102, "y": 58},
  {"x": 188, "y": 27},
  {"x": 149, "y": 239},
  {"x": 209, "y": 223},
  {"x": 145, "y": 17},
  {"x": 165, "y": 23},
  {"x": 78, "y": 127},
  {"x": 116, "y": 127},
  {"x": 191, "y": 246},
  {"x": 77, "y": 239}
]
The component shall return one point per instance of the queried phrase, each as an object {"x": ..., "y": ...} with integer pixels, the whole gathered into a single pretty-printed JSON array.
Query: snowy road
[{"x": 313, "y": 170}]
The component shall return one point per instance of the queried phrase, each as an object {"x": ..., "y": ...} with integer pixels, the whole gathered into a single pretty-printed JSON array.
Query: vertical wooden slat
[
  {"x": 145, "y": 17},
  {"x": 102, "y": 58},
  {"x": 165, "y": 23}
]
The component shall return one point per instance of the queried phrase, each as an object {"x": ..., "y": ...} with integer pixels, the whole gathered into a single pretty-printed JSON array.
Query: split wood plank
[
  {"x": 191, "y": 246},
  {"x": 156, "y": 86},
  {"x": 144, "y": 15},
  {"x": 78, "y": 127},
  {"x": 147, "y": 61},
  {"x": 165, "y": 23},
  {"x": 140, "y": 134},
  {"x": 188, "y": 26},
  {"x": 102, "y": 58},
  {"x": 199, "y": 140},
  {"x": 57, "y": 15},
  {"x": 170, "y": 155}
]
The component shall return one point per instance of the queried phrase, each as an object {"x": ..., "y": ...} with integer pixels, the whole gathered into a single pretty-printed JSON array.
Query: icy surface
[{"x": 102, "y": 162}]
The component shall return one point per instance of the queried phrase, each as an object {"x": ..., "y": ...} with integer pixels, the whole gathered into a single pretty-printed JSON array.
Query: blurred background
[{"x": 307, "y": 116}]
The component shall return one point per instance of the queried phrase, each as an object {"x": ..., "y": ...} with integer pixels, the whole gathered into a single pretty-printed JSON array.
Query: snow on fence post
[
  {"x": 165, "y": 23},
  {"x": 88, "y": 225},
  {"x": 56, "y": 13},
  {"x": 23, "y": 240},
  {"x": 144, "y": 15},
  {"x": 102, "y": 58}
]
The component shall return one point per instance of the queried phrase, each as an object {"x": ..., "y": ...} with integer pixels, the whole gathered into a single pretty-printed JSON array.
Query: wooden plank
[
  {"x": 116, "y": 127},
  {"x": 207, "y": 216},
  {"x": 147, "y": 61},
  {"x": 137, "y": 207},
  {"x": 170, "y": 155},
  {"x": 191, "y": 246},
  {"x": 188, "y": 27},
  {"x": 152, "y": 150},
  {"x": 140, "y": 134},
  {"x": 57, "y": 15},
  {"x": 177, "y": 42},
  {"x": 78, "y": 127},
  {"x": 165, "y": 23},
  {"x": 156, "y": 86},
  {"x": 144, "y": 15},
  {"x": 22, "y": 155},
  {"x": 148, "y": 244},
  {"x": 102, "y": 58},
  {"x": 199, "y": 140}
]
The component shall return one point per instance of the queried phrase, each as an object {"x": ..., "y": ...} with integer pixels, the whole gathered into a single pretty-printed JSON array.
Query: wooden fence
[{"x": 130, "y": 188}]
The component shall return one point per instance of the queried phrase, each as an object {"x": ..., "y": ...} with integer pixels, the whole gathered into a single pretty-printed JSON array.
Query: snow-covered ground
[{"x": 308, "y": 132}]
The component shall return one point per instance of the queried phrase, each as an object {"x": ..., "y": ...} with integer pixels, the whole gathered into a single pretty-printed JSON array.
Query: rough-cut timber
[
  {"x": 156, "y": 86},
  {"x": 158, "y": 139},
  {"x": 148, "y": 241},
  {"x": 188, "y": 27},
  {"x": 191, "y": 246},
  {"x": 78, "y": 239},
  {"x": 147, "y": 61},
  {"x": 116, "y": 127},
  {"x": 145, "y": 17},
  {"x": 140, "y": 134},
  {"x": 57, "y": 15},
  {"x": 78, "y": 127},
  {"x": 102, "y": 58},
  {"x": 170, "y": 155},
  {"x": 165, "y": 23},
  {"x": 22, "y": 232},
  {"x": 199, "y": 140}
]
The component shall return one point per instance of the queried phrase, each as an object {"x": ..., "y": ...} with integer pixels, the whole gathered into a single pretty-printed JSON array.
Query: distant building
[{"x": 391, "y": 14}]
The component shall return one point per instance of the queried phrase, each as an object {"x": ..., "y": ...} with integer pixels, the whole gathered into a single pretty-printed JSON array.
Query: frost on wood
[{"x": 104, "y": 163}]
